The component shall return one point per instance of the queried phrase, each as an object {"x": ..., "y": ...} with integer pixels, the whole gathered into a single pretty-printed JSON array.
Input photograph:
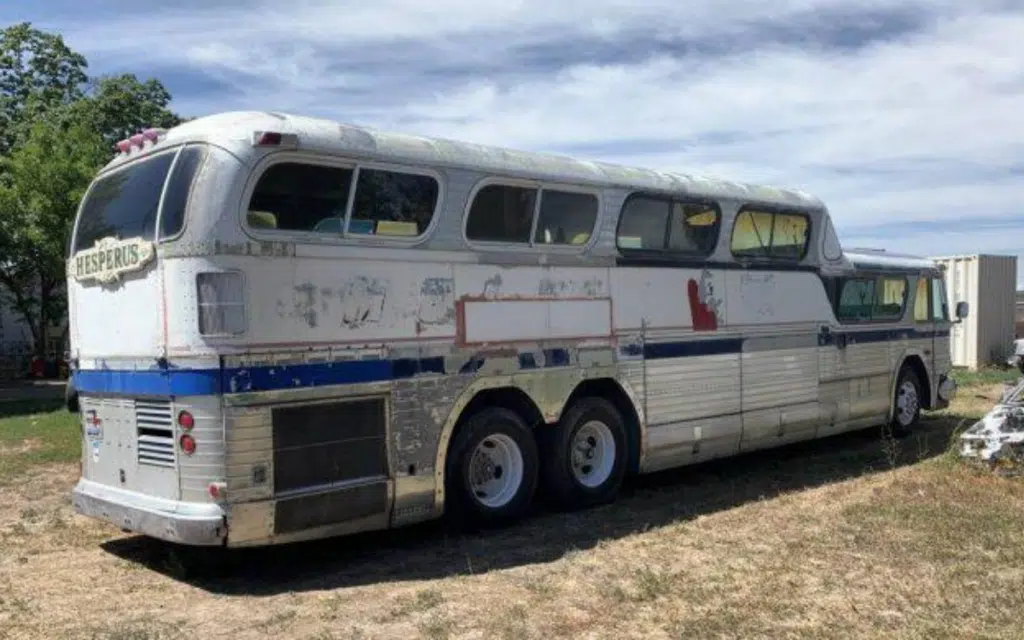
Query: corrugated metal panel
[{"x": 989, "y": 284}]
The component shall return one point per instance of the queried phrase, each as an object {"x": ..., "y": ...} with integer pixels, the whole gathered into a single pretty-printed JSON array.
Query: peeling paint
[
  {"x": 362, "y": 301},
  {"x": 757, "y": 294},
  {"x": 492, "y": 286},
  {"x": 591, "y": 287},
  {"x": 304, "y": 303},
  {"x": 437, "y": 302}
]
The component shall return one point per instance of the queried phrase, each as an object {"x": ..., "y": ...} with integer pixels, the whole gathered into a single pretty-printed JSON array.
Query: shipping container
[{"x": 989, "y": 284}]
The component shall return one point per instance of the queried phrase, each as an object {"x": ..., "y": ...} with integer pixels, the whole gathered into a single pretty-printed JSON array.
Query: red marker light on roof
[
  {"x": 136, "y": 140},
  {"x": 269, "y": 138},
  {"x": 123, "y": 146}
]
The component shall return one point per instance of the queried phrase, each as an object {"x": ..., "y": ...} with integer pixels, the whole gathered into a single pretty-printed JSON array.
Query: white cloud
[{"x": 921, "y": 126}]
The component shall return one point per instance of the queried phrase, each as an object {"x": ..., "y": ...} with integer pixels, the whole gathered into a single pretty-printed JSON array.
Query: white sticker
[{"x": 95, "y": 450}]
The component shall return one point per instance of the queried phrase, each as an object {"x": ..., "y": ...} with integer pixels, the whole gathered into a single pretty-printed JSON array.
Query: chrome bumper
[
  {"x": 182, "y": 522},
  {"x": 947, "y": 391}
]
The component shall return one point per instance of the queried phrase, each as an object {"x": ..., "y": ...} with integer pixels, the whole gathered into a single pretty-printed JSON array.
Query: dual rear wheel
[{"x": 498, "y": 463}]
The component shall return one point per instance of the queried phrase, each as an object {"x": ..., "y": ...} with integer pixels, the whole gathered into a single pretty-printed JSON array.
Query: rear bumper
[{"x": 182, "y": 522}]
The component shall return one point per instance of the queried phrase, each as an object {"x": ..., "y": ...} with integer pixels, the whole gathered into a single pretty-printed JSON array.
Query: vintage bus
[{"x": 286, "y": 328}]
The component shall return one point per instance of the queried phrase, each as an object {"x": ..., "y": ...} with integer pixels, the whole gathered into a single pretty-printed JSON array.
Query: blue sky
[{"x": 904, "y": 116}]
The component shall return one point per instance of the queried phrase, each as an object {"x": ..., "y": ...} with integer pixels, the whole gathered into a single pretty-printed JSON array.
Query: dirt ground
[{"x": 853, "y": 536}]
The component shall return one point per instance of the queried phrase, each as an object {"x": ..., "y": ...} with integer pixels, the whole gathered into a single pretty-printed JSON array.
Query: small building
[{"x": 989, "y": 284}]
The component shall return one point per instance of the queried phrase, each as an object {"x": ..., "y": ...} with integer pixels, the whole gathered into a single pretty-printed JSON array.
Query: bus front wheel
[{"x": 907, "y": 402}]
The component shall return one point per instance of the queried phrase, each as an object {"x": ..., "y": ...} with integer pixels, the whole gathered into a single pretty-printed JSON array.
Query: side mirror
[{"x": 962, "y": 309}]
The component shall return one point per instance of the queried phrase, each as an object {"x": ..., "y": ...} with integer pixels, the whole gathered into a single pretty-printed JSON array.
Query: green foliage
[
  {"x": 57, "y": 129},
  {"x": 37, "y": 72},
  {"x": 44, "y": 178}
]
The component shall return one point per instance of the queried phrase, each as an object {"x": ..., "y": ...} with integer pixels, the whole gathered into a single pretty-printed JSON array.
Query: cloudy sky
[{"x": 906, "y": 117}]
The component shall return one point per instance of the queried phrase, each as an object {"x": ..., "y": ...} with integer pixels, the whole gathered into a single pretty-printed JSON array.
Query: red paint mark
[{"x": 704, "y": 319}]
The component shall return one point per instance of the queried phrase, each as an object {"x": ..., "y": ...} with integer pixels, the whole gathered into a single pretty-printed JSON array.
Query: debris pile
[{"x": 998, "y": 438}]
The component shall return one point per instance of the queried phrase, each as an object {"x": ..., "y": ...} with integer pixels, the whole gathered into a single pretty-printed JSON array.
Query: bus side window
[
  {"x": 654, "y": 223},
  {"x": 501, "y": 213},
  {"x": 856, "y": 297},
  {"x": 940, "y": 305},
  {"x": 565, "y": 217},
  {"x": 922, "y": 302},
  {"x": 299, "y": 196}
]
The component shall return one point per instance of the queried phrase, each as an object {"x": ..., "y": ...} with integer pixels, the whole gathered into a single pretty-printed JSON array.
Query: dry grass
[{"x": 847, "y": 537}]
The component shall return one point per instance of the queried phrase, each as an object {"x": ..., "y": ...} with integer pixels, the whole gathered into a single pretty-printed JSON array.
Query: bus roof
[
  {"x": 881, "y": 259},
  {"x": 234, "y": 130}
]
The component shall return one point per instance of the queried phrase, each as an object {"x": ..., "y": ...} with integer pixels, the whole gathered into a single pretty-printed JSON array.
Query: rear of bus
[{"x": 152, "y": 437}]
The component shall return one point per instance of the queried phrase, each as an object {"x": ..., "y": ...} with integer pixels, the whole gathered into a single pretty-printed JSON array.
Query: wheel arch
[
  {"x": 624, "y": 401},
  {"x": 915, "y": 361}
]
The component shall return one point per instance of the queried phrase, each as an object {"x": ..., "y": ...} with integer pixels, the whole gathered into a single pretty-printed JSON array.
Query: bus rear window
[{"x": 125, "y": 203}]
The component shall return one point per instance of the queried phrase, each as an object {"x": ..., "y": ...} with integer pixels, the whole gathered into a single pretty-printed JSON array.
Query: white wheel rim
[
  {"x": 592, "y": 454},
  {"x": 495, "y": 470},
  {"x": 906, "y": 403}
]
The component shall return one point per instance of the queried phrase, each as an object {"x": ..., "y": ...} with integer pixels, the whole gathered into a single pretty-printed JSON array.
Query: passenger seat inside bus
[{"x": 262, "y": 220}]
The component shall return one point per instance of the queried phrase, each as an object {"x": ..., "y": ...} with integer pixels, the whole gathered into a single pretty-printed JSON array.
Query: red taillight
[
  {"x": 188, "y": 444},
  {"x": 216, "y": 490},
  {"x": 186, "y": 421}
]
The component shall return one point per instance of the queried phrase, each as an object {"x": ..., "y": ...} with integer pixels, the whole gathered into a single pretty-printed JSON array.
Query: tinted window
[
  {"x": 125, "y": 203},
  {"x": 761, "y": 234},
  {"x": 502, "y": 213},
  {"x": 391, "y": 203},
  {"x": 856, "y": 298},
  {"x": 643, "y": 224},
  {"x": 301, "y": 197},
  {"x": 565, "y": 217},
  {"x": 661, "y": 224},
  {"x": 172, "y": 218},
  {"x": 865, "y": 299}
]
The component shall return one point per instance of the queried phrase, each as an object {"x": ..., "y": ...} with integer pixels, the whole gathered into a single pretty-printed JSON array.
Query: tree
[
  {"x": 38, "y": 71},
  {"x": 45, "y": 177},
  {"x": 120, "y": 106},
  {"x": 57, "y": 129}
]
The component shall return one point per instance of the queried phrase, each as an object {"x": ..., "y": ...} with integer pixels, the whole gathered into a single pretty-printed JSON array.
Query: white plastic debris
[{"x": 998, "y": 438}]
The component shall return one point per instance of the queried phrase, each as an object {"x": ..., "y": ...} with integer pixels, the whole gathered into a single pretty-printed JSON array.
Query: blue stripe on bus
[{"x": 192, "y": 382}]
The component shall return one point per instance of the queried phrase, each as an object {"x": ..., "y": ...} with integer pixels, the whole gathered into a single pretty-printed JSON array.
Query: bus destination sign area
[{"x": 110, "y": 258}]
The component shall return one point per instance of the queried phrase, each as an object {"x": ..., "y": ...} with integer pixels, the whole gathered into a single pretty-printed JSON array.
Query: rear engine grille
[
  {"x": 321, "y": 444},
  {"x": 155, "y": 433}
]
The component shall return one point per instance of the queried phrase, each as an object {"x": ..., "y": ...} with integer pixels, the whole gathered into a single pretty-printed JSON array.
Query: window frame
[
  {"x": 207, "y": 151},
  {"x": 532, "y": 245},
  {"x": 174, "y": 151},
  {"x": 345, "y": 237},
  {"x": 877, "y": 278},
  {"x": 669, "y": 199},
  {"x": 773, "y": 211}
]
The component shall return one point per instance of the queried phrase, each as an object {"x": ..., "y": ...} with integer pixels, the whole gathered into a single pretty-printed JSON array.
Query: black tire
[
  {"x": 559, "y": 482},
  {"x": 461, "y": 503},
  {"x": 71, "y": 397},
  {"x": 901, "y": 425}
]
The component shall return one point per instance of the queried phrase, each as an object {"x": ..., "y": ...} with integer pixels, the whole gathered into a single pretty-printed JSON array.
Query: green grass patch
[
  {"x": 985, "y": 376},
  {"x": 33, "y": 433}
]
